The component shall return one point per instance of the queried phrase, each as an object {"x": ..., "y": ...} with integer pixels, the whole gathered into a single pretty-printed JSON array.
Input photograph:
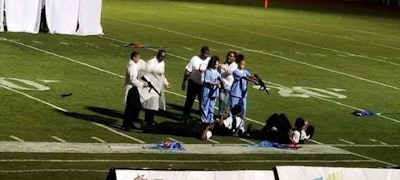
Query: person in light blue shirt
[
  {"x": 210, "y": 90},
  {"x": 238, "y": 93}
]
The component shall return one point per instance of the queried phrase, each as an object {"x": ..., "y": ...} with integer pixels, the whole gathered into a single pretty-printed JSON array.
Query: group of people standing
[
  {"x": 209, "y": 79},
  {"x": 144, "y": 88},
  {"x": 205, "y": 78}
]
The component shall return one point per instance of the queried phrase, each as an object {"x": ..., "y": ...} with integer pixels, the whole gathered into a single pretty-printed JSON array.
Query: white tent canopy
[{"x": 62, "y": 16}]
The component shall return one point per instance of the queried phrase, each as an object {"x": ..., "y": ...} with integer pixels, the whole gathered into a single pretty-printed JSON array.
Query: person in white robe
[{"x": 155, "y": 69}]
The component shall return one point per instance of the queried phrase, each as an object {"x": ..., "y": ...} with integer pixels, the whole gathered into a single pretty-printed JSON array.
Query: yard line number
[
  {"x": 307, "y": 92},
  {"x": 23, "y": 84}
]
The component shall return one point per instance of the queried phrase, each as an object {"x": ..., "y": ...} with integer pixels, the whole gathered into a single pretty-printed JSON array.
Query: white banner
[
  {"x": 23, "y": 15},
  {"x": 89, "y": 17},
  {"x": 126, "y": 174},
  {"x": 331, "y": 173},
  {"x": 62, "y": 16}
]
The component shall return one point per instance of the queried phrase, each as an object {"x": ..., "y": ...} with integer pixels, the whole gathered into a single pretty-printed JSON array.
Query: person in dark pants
[
  {"x": 132, "y": 83},
  {"x": 194, "y": 73}
]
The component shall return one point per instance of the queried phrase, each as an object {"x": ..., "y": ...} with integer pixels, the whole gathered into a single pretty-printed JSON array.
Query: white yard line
[
  {"x": 177, "y": 161},
  {"x": 247, "y": 141},
  {"x": 17, "y": 138},
  {"x": 119, "y": 133},
  {"x": 115, "y": 45},
  {"x": 58, "y": 139},
  {"x": 65, "y": 43},
  {"x": 373, "y": 140},
  {"x": 213, "y": 141},
  {"x": 335, "y": 102},
  {"x": 98, "y": 139},
  {"x": 346, "y": 141},
  {"x": 335, "y": 36},
  {"x": 63, "y": 110},
  {"x": 364, "y": 145},
  {"x": 383, "y": 143},
  {"x": 190, "y": 49},
  {"x": 37, "y": 42},
  {"x": 36, "y": 99}
]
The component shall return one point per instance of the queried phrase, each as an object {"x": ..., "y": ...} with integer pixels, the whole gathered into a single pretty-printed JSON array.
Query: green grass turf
[{"x": 286, "y": 47}]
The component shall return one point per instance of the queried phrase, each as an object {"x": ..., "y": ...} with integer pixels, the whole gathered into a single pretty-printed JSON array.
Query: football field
[{"x": 320, "y": 66}]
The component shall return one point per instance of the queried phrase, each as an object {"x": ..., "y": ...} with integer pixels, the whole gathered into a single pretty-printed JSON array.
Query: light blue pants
[
  {"x": 242, "y": 102},
  {"x": 207, "y": 109},
  {"x": 223, "y": 101}
]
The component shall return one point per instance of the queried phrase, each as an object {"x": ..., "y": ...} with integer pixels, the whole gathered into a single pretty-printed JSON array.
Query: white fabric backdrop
[
  {"x": 23, "y": 15},
  {"x": 62, "y": 16},
  {"x": 89, "y": 17},
  {"x": 1, "y": 15}
]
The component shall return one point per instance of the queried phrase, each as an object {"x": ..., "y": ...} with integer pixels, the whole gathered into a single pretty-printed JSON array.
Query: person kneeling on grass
[
  {"x": 302, "y": 131},
  {"x": 228, "y": 126},
  {"x": 278, "y": 129}
]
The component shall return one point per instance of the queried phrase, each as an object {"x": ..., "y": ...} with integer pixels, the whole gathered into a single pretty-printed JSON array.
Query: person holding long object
[
  {"x": 132, "y": 100},
  {"x": 238, "y": 93},
  {"x": 210, "y": 90},
  {"x": 155, "y": 69}
]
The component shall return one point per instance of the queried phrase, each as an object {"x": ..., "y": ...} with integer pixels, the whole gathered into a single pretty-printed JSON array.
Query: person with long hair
[
  {"x": 210, "y": 90},
  {"x": 226, "y": 71}
]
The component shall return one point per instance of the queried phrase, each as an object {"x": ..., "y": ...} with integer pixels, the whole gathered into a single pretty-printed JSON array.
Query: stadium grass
[{"x": 222, "y": 27}]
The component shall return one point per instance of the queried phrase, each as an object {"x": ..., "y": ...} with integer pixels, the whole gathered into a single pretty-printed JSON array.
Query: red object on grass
[{"x": 266, "y": 3}]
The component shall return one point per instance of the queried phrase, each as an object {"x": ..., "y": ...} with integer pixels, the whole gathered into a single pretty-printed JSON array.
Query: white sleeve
[
  {"x": 296, "y": 136},
  {"x": 133, "y": 77},
  {"x": 189, "y": 66}
]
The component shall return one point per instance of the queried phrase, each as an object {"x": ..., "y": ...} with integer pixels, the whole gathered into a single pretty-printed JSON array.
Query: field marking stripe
[
  {"x": 63, "y": 57},
  {"x": 335, "y": 36},
  {"x": 119, "y": 133},
  {"x": 51, "y": 170},
  {"x": 63, "y": 110},
  {"x": 264, "y": 53},
  {"x": 58, "y": 139},
  {"x": 175, "y": 161},
  {"x": 333, "y": 101},
  {"x": 247, "y": 141},
  {"x": 373, "y": 159},
  {"x": 213, "y": 141},
  {"x": 346, "y": 141},
  {"x": 324, "y": 48},
  {"x": 36, "y": 99},
  {"x": 365, "y": 145},
  {"x": 17, "y": 138},
  {"x": 292, "y": 41},
  {"x": 98, "y": 139}
]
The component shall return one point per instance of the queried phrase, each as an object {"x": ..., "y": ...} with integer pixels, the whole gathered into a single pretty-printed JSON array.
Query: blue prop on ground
[
  {"x": 364, "y": 113},
  {"x": 168, "y": 145},
  {"x": 266, "y": 144}
]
